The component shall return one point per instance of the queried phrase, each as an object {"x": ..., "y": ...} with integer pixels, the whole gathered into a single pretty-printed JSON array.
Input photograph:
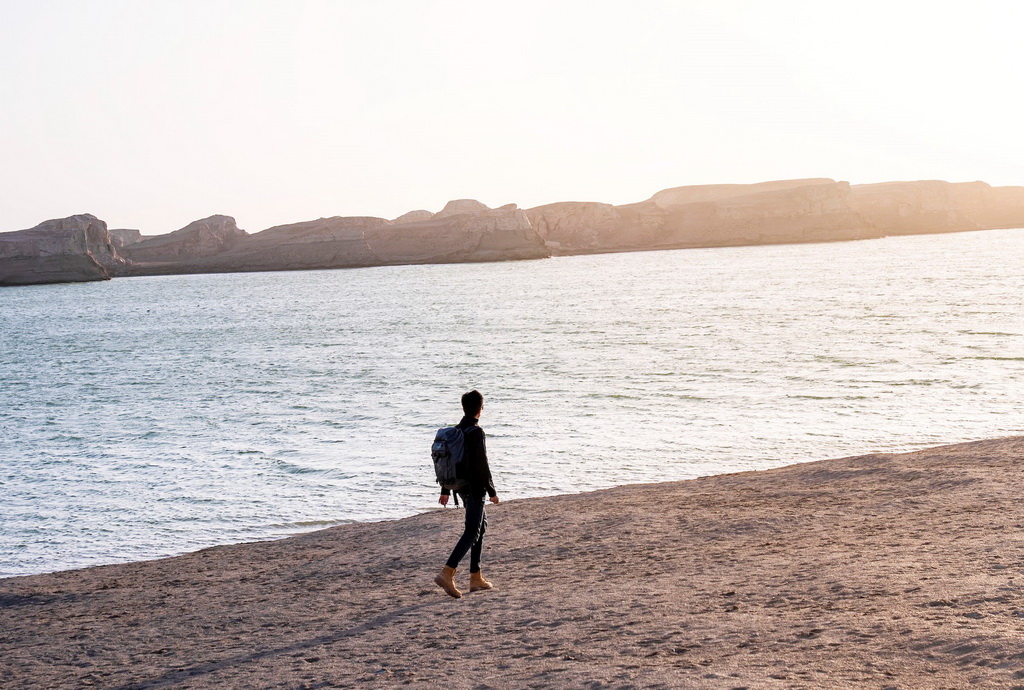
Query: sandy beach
[{"x": 878, "y": 571}]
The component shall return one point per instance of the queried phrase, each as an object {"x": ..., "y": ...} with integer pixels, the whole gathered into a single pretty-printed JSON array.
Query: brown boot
[
  {"x": 478, "y": 582},
  {"x": 446, "y": 581}
]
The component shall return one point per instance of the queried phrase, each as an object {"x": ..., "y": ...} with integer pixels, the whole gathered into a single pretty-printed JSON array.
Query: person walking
[{"x": 478, "y": 484}]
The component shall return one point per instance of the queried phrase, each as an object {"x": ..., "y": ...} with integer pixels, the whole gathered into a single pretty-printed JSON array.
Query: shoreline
[
  {"x": 899, "y": 570},
  {"x": 153, "y": 271},
  {"x": 324, "y": 523}
]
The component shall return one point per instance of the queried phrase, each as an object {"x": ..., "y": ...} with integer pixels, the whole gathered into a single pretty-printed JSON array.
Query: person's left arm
[{"x": 485, "y": 469}]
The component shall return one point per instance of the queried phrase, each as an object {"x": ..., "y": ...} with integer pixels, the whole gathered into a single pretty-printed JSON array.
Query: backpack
[{"x": 447, "y": 452}]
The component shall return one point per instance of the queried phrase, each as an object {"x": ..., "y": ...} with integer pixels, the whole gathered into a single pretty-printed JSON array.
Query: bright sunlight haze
[{"x": 151, "y": 115}]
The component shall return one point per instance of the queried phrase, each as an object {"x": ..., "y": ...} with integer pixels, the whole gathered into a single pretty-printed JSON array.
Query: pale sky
[{"x": 153, "y": 114}]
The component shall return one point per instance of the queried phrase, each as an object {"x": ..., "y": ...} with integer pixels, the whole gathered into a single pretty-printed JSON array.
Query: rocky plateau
[{"x": 81, "y": 248}]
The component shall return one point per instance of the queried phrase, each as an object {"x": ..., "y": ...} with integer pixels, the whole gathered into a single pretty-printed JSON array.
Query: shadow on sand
[{"x": 178, "y": 675}]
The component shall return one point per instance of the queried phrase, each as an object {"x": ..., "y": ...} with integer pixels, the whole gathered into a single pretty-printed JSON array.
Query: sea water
[{"x": 146, "y": 417}]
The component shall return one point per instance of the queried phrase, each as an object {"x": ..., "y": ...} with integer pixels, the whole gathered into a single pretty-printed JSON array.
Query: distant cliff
[
  {"x": 464, "y": 231},
  {"x": 814, "y": 210},
  {"x": 931, "y": 206},
  {"x": 460, "y": 234},
  {"x": 705, "y": 216},
  {"x": 65, "y": 250},
  {"x": 206, "y": 237},
  {"x": 787, "y": 211}
]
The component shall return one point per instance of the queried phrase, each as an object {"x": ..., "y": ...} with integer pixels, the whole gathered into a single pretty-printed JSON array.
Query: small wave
[
  {"x": 912, "y": 382},
  {"x": 306, "y": 524},
  {"x": 292, "y": 468},
  {"x": 999, "y": 333},
  {"x": 838, "y": 361},
  {"x": 339, "y": 425},
  {"x": 322, "y": 473}
]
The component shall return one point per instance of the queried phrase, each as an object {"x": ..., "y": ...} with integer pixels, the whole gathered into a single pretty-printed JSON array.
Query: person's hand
[
  {"x": 495, "y": 500},
  {"x": 443, "y": 500}
]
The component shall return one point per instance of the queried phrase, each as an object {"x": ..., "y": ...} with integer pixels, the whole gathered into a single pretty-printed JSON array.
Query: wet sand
[{"x": 879, "y": 571}]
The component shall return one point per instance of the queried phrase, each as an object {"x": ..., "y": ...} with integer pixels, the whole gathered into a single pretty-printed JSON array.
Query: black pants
[{"x": 472, "y": 539}]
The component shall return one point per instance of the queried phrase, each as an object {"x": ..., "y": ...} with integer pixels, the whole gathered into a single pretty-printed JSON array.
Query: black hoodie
[{"x": 474, "y": 468}]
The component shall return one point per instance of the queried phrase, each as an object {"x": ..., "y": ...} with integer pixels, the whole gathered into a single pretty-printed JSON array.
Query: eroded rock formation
[
  {"x": 201, "y": 238},
  {"x": 931, "y": 206},
  {"x": 122, "y": 237},
  {"x": 338, "y": 242},
  {"x": 465, "y": 230},
  {"x": 73, "y": 249},
  {"x": 814, "y": 210},
  {"x": 787, "y": 211},
  {"x": 992, "y": 207},
  {"x": 413, "y": 217},
  {"x": 459, "y": 207},
  {"x": 475, "y": 233}
]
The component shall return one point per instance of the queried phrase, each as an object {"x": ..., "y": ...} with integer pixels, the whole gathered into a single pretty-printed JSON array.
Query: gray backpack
[{"x": 447, "y": 452}]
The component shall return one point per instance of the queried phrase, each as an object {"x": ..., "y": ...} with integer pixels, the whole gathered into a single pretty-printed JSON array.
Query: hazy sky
[{"x": 153, "y": 114}]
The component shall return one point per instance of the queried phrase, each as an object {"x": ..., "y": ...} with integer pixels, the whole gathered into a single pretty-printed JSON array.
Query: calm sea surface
[{"x": 147, "y": 417}]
